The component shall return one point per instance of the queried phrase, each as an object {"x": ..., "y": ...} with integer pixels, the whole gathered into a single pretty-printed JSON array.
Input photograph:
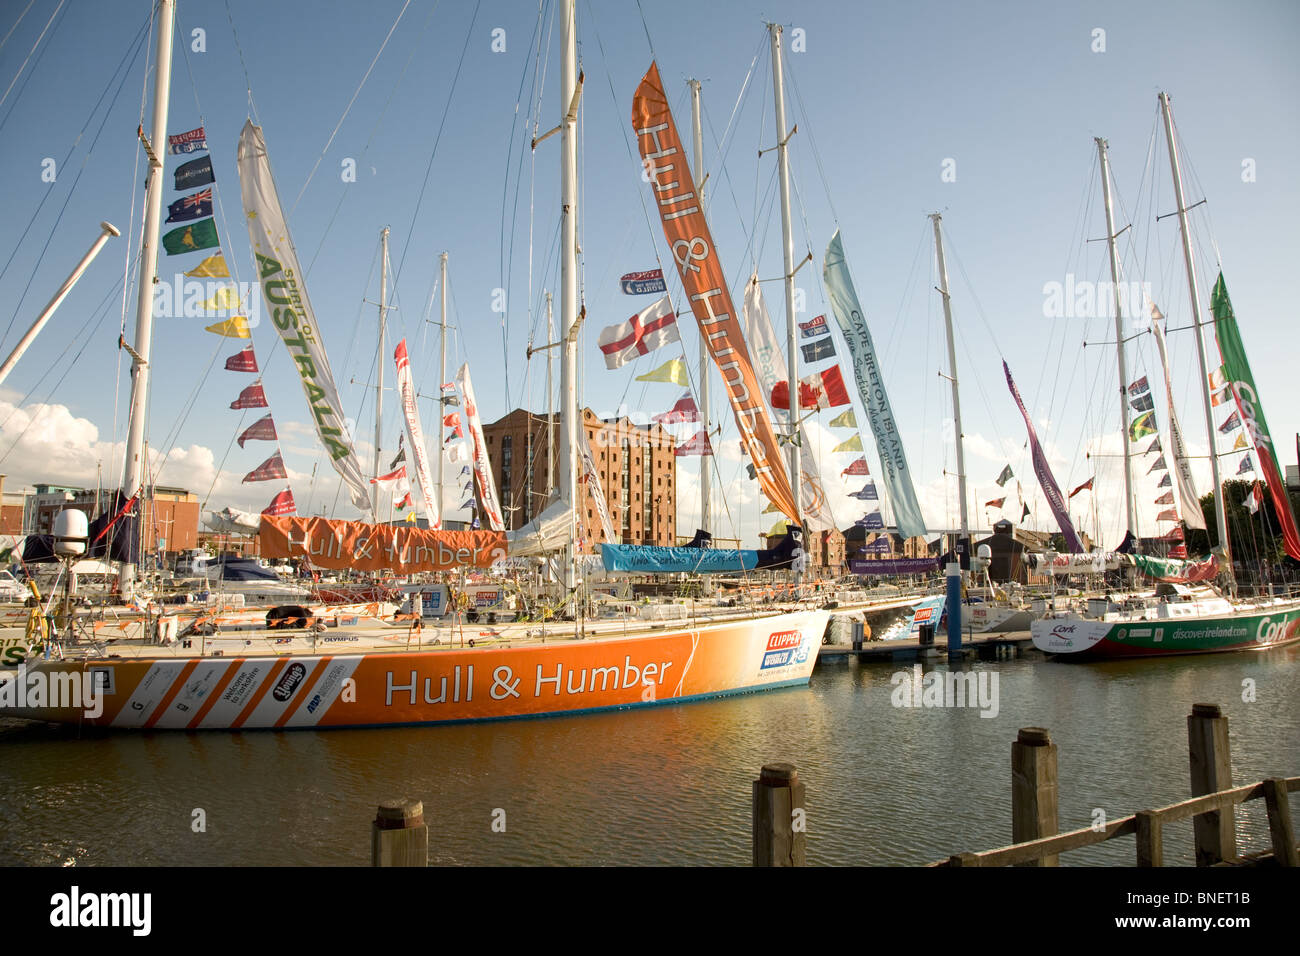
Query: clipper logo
[
  {"x": 784, "y": 647},
  {"x": 289, "y": 682}
]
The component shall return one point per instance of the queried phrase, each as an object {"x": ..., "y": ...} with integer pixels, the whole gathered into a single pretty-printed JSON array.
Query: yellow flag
[
  {"x": 853, "y": 444},
  {"x": 411, "y": 517},
  {"x": 778, "y": 528},
  {"x": 847, "y": 420},
  {"x": 671, "y": 371},
  {"x": 771, "y": 507},
  {"x": 1240, "y": 443},
  {"x": 213, "y": 267},
  {"x": 227, "y": 297},
  {"x": 236, "y": 328}
]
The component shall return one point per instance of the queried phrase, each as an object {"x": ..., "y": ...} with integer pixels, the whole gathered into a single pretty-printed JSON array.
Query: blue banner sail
[
  {"x": 1045, "y": 479},
  {"x": 871, "y": 386}
]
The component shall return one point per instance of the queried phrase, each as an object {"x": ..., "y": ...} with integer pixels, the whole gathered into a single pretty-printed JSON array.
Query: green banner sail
[{"x": 1242, "y": 383}]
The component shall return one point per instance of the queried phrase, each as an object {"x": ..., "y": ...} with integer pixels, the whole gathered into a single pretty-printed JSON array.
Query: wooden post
[
  {"x": 1279, "y": 823},
  {"x": 399, "y": 835},
  {"x": 1033, "y": 790},
  {"x": 778, "y": 816},
  {"x": 1208, "y": 752},
  {"x": 1150, "y": 839}
]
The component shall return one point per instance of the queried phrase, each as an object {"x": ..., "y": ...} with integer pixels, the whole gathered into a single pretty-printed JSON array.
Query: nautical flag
[
  {"x": 1246, "y": 466},
  {"x": 1143, "y": 403},
  {"x": 819, "y": 390},
  {"x": 1086, "y": 486},
  {"x": 232, "y": 328},
  {"x": 872, "y": 522},
  {"x": 244, "y": 361},
  {"x": 859, "y": 467},
  {"x": 189, "y": 142},
  {"x": 751, "y": 471},
  {"x": 251, "y": 397},
  {"x": 213, "y": 267},
  {"x": 1233, "y": 422},
  {"x": 457, "y": 452},
  {"x": 1138, "y": 387},
  {"x": 1165, "y": 482},
  {"x": 846, "y": 420},
  {"x": 816, "y": 351},
  {"x": 1026, "y": 513},
  {"x": 270, "y": 469},
  {"x": 1219, "y": 391},
  {"x": 410, "y": 515},
  {"x": 451, "y": 420},
  {"x": 684, "y": 411},
  {"x": 996, "y": 502},
  {"x": 194, "y": 206},
  {"x": 1142, "y": 426},
  {"x": 867, "y": 493},
  {"x": 454, "y": 434},
  {"x": 882, "y": 545},
  {"x": 464, "y": 471},
  {"x": 774, "y": 510},
  {"x": 261, "y": 430},
  {"x": 674, "y": 370},
  {"x": 853, "y": 444},
  {"x": 1240, "y": 443},
  {"x": 392, "y": 476},
  {"x": 226, "y": 297},
  {"x": 643, "y": 283},
  {"x": 1003, "y": 478},
  {"x": 1154, "y": 446},
  {"x": 646, "y": 331},
  {"x": 1218, "y": 398},
  {"x": 197, "y": 172},
  {"x": 1175, "y": 535},
  {"x": 699, "y": 445},
  {"x": 281, "y": 504},
  {"x": 1169, "y": 514},
  {"x": 1166, "y": 499},
  {"x": 401, "y": 451},
  {"x": 448, "y": 388},
  {"x": 814, "y": 327},
  {"x": 1158, "y": 465},
  {"x": 191, "y": 238},
  {"x": 406, "y": 502},
  {"x": 1254, "y": 499}
]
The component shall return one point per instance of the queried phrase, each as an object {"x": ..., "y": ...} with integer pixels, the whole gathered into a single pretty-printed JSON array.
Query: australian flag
[{"x": 195, "y": 206}]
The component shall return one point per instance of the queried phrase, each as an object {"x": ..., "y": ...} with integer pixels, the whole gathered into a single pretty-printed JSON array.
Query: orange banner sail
[
  {"x": 702, "y": 276},
  {"x": 371, "y": 547}
]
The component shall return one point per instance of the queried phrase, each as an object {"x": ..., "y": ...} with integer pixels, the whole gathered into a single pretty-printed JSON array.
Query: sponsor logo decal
[{"x": 288, "y": 683}]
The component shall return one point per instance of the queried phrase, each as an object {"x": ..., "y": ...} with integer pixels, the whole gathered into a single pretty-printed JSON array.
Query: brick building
[
  {"x": 170, "y": 517},
  {"x": 636, "y": 466}
]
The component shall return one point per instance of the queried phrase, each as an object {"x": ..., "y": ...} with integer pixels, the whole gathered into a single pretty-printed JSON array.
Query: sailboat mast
[
  {"x": 1104, "y": 155},
  {"x": 706, "y": 483},
  {"x": 442, "y": 377},
  {"x": 550, "y": 403},
  {"x": 787, "y": 251},
  {"x": 133, "y": 478},
  {"x": 379, "y": 361},
  {"x": 952, "y": 379},
  {"x": 569, "y": 282},
  {"x": 1220, "y": 514}
]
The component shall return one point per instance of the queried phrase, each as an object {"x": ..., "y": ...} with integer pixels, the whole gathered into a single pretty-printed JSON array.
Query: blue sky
[{"x": 884, "y": 95}]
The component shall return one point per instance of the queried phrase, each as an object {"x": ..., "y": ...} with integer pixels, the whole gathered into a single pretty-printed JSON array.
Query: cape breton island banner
[{"x": 280, "y": 278}]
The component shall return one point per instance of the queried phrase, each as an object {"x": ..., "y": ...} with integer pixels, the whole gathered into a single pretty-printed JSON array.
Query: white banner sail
[
  {"x": 769, "y": 367},
  {"x": 592, "y": 480},
  {"x": 281, "y": 282},
  {"x": 1189, "y": 505},
  {"x": 487, "y": 486},
  {"x": 415, "y": 436}
]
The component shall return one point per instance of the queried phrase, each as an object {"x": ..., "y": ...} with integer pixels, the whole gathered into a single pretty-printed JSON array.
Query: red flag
[
  {"x": 451, "y": 420},
  {"x": 251, "y": 397},
  {"x": 819, "y": 390},
  {"x": 995, "y": 503},
  {"x": 699, "y": 445},
  {"x": 1175, "y": 535},
  {"x": 1169, "y": 514},
  {"x": 261, "y": 430},
  {"x": 859, "y": 467},
  {"x": 405, "y": 502},
  {"x": 281, "y": 504},
  {"x": 391, "y": 476},
  {"x": 244, "y": 361},
  {"x": 1178, "y": 551},
  {"x": 684, "y": 411},
  {"x": 1086, "y": 486},
  {"x": 1166, "y": 499},
  {"x": 268, "y": 470}
]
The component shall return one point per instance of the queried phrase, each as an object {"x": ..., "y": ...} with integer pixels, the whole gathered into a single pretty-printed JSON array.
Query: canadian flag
[{"x": 820, "y": 390}]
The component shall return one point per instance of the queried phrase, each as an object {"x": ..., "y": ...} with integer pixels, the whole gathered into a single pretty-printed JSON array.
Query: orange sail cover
[
  {"x": 370, "y": 547},
  {"x": 697, "y": 262}
]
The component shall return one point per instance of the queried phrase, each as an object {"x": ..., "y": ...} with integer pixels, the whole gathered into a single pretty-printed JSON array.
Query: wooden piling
[
  {"x": 1279, "y": 823},
  {"x": 1150, "y": 839},
  {"x": 778, "y": 829},
  {"x": 1033, "y": 790},
  {"x": 1211, "y": 766},
  {"x": 399, "y": 836}
]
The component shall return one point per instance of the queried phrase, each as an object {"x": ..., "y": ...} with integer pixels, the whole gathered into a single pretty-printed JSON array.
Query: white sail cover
[
  {"x": 415, "y": 436},
  {"x": 286, "y": 296},
  {"x": 487, "y": 486},
  {"x": 1189, "y": 505},
  {"x": 230, "y": 521},
  {"x": 549, "y": 532},
  {"x": 768, "y": 362},
  {"x": 592, "y": 481}
]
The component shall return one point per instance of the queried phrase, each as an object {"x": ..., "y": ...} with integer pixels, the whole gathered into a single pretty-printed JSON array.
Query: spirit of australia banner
[
  {"x": 692, "y": 248},
  {"x": 1242, "y": 383},
  {"x": 1044, "y": 473},
  {"x": 368, "y": 547},
  {"x": 871, "y": 386},
  {"x": 280, "y": 276},
  {"x": 406, "y": 388}
]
